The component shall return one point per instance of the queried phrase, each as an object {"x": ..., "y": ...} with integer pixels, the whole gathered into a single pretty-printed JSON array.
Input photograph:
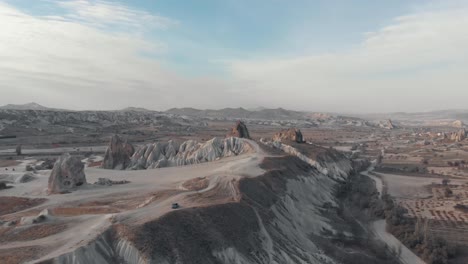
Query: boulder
[
  {"x": 118, "y": 154},
  {"x": 27, "y": 177},
  {"x": 239, "y": 130},
  {"x": 3, "y": 186},
  {"x": 46, "y": 164},
  {"x": 67, "y": 174},
  {"x": 29, "y": 167},
  {"x": 292, "y": 134},
  {"x": 43, "y": 216}
]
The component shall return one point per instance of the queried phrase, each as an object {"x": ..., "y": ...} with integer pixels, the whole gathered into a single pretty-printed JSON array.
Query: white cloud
[
  {"x": 419, "y": 62},
  {"x": 103, "y": 13},
  {"x": 70, "y": 64}
]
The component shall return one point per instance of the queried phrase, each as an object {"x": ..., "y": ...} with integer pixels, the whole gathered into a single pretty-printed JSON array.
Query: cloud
[
  {"x": 73, "y": 64},
  {"x": 419, "y": 62},
  {"x": 98, "y": 55},
  {"x": 105, "y": 14}
]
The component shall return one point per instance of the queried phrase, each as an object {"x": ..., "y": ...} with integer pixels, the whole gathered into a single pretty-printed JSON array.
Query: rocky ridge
[{"x": 171, "y": 153}]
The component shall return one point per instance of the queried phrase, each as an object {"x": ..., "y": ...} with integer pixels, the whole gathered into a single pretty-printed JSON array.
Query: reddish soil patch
[
  {"x": 217, "y": 195},
  {"x": 95, "y": 203},
  {"x": 95, "y": 164},
  {"x": 12, "y": 204},
  {"x": 8, "y": 163},
  {"x": 313, "y": 151},
  {"x": 196, "y": 184},
  {"x": 19, "y": 215},
  {"x": 73, "y": 211},
  {"x": 31, "y": 232},
  {"x": 20, "y": 255}
]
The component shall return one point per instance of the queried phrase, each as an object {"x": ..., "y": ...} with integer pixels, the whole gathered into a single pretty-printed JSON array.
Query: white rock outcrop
[
  {"x": 170, "y": 154},
  {"x": 67, "y": 174}
]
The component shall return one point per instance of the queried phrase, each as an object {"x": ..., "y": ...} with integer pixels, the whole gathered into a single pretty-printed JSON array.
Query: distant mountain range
[
  {"x": 136, "y": 109},
  {"x": 242, "y": 113},
  {"x": 28, "y": 106},
  {"x": 261, "y": 113},
  {"x": 456, "y": 118}
]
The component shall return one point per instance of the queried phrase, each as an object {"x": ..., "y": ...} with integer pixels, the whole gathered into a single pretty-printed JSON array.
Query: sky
[{"x": 314, "y": 55}]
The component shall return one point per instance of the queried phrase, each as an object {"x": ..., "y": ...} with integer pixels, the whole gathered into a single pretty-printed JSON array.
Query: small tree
[
  {"x": 448, "y": 192},
  {"x": 445, "y": 181}
]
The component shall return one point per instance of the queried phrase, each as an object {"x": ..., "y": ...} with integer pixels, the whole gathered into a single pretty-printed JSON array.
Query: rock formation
[
  {"x": 458, "y": 124},
  {"x": 292, "y": 134},
  {"x": 170, "y": 154},
  {"x": 240, "y": 130},
  {"x": 3, "y": 186},
  {"x": 118, "y": 154},
  {"x": 458, "y": 136},
  {"x": 46, "y": 164},
  {"x": 27, "y": 177},
  {"x": 67, "y": 174},
  {"x": 387, "y": 124}
]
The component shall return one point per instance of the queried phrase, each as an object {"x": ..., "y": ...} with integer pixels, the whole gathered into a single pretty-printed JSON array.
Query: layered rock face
[
  {"x": 170, "y": 154},
  {"x": 118, "y": 154},
  {"x": 67, "y": 174},
  {"x": 240, "y": 130},
  {"x": 292, "y": 134}
]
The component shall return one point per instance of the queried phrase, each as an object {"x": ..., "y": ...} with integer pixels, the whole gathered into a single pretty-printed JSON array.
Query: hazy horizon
[
  {"x": 319, "y": 56},
  {"x": 351, "y": 113}
]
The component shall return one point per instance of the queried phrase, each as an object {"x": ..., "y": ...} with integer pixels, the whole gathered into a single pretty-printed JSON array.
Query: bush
[{"x": 448, "y": 192}]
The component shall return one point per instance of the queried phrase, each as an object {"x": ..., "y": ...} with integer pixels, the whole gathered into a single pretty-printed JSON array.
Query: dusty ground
[{"x": 78, "y": 217}]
